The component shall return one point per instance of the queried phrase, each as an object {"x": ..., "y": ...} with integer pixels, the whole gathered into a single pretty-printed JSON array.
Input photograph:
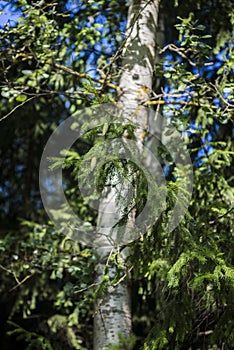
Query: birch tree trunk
[{"x": 113, "y": 312}]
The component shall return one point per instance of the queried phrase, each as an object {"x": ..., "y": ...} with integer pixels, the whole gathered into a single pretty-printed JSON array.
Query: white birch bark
[{"x": 113, "y": 313}]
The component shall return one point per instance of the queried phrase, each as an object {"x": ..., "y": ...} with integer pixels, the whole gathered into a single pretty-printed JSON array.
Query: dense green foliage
[{"x": 61, "y": 56}]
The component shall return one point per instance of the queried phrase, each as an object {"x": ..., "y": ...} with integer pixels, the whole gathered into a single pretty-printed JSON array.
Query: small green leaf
[
  {"x": 105, "y": 129},
  {"x": 21, "y": 98},
  {"x": 200, "y": 27}
]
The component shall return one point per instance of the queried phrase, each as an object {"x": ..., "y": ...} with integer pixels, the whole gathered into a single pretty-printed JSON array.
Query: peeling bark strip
[{"x": 113, "y": 313}]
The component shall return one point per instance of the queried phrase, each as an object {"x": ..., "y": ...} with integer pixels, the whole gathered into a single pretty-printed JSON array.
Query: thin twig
[
  {"x": 16, "y": 107},
  {"x": 176, "y": 49},
  {"x": 220, "y": 216},
  {"x": 123, "y": 277},
  {"x": 20, "y": 282},
  {"x": 82, "y": 75},
  {"x": 5, "y": 269},
  {"x": 222, "y": 97},
  {"x": 89, "y": 287},
  {"x": 185, "y": 103}
]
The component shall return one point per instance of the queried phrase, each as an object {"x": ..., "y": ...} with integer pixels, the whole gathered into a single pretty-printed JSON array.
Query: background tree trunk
[{"x": 113, "y": 312}]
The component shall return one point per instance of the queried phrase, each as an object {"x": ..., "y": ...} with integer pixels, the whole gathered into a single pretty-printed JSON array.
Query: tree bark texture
[{"x": 113, "y": 311}]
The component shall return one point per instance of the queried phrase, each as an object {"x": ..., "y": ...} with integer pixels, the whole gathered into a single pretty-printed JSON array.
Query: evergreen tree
[{"x": 62, "y": 57}]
